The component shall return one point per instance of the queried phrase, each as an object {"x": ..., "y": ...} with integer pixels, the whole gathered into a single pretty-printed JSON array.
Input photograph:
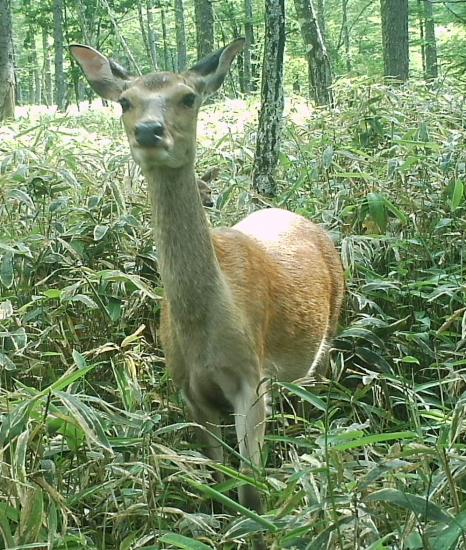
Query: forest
[{"x": 350, "y": 113}]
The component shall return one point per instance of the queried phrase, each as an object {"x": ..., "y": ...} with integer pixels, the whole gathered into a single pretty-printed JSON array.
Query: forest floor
[{"x": 95, "y": 448}]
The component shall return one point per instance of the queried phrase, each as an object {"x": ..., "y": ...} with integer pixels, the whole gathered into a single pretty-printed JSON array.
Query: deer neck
[{"x": 187, "y": 261}]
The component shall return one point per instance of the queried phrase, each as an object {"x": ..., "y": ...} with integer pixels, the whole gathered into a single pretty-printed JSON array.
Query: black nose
[{"x": 149, "y": 134}]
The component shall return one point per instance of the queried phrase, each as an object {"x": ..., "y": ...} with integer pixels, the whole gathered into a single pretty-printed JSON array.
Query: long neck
[{"x": 188, "y": 265}]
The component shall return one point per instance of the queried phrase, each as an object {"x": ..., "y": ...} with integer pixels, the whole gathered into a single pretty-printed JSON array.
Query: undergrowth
[{"x": 96, "y": 450}]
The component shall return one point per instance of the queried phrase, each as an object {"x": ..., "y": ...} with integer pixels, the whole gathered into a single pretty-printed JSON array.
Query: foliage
[
  {"x": 115, "y": 27},
  {"x": 95, "y": 447}
]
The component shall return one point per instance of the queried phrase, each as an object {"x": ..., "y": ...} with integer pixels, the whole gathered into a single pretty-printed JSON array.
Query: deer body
[{"x": 255, "y": 301}]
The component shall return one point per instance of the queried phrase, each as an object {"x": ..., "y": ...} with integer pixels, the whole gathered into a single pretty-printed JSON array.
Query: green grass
[{"x": 96, "y": 450}]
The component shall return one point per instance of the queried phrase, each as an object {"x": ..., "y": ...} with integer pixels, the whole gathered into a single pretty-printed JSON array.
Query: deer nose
[{"x": 149, "y": 134}]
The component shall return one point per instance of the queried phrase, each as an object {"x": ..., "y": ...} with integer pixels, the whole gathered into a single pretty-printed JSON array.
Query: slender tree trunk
[
  {"x": 47, "y": 91},
  {"x": 235, "y": 30},
  {"x": 143, "y": 32},
  {"x": 320, "y": 74},
  {"x": 345, "y": 33},
  {"x": 164, "y": 39},
  {"x": 431, "y": 63},
  {"x": 249, "y": 84},
  {"x": 119, "y": 35},
  {"x": 420, "y": 13},
  {"x": 271, "y": 112},
  {"x": 58, "y": 45},
  {"x": 151, "y": 36},
  {"x": 204, "y": 15},
  {"x": 181, "y": 55},
  {"x": 7, "y": 74},
  {"x": 395, "y": 38},
  {"x": 35, "y": 70}
]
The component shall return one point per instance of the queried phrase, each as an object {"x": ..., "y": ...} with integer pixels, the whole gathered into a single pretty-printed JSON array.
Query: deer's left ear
[
  {"x": 211, "y": 71},
  {"x": 106, "y": 77}
]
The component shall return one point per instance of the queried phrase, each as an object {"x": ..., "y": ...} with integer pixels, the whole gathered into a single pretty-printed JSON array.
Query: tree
[
  {"x": 318, "y": 62},
  {"x": 345, "y": 33},
  {"x": 430, "y": 47},
  {"x": 47, "y": 87},
  {"x": 7, "y": 75},
  {"x": 249, "y": 83},
  {"x": 151, "y": 36},
  {"x": 395, "y": 38},
  {"x": 181, "y": 55},
  {"x": 204, "y": 15},
  {"x": 58, "y": 45},
  {"x": 271, "y": 112}
]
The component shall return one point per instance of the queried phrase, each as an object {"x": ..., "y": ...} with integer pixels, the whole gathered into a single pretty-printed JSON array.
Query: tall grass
[{"x": 95, "y": 448}]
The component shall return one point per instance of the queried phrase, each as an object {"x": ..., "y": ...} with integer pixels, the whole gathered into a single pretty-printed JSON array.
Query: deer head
[{"x": 159, "y": 110}]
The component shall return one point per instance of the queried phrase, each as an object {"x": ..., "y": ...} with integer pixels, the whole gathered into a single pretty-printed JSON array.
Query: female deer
[{"x": 258, "y": 300}]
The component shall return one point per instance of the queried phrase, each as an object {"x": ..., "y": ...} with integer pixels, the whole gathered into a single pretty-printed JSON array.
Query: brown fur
[{"x": 258, "y": 300}]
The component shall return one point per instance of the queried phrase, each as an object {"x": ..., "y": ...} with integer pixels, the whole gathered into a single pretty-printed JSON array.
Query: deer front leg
[
  {"x": 210, "y": 436},
  {"x": 249, "y": 411}
]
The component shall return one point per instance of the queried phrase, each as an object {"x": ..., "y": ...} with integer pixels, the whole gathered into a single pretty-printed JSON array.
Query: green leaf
[
  {"x": 6, "y": 270},
  {"x": 100, "y": 231},
  {"x": 427, "y": 510},
  {"x": 378, "y": 210},
  {"x": 30, "y": 522},
  {"x": 184, "y": 542},
  {"x": 86, "y": 300},
  {"x": 457, "y": 195},
  {"x": 232, "y": 504},
  {"x": 304, "y": 395},
  {"x": 86, "y": 418},
  {"x": 79, "y": 360},
  {"x": 6, "y": 362},
  {"x": 6, "y": 310},
  {"x": 448, "y": 538},
  {"x": 373, "y": 360},
  {"x": 327, "y": 157},
  {"x": 115, "y": 275},
  {"x": 5, "y": 531},
  {"x": 21, "y": 196},
  {"x": 13, "y": 424},
  {"x": 333, "y": 441},
  {"x": 66, "y": 380}
]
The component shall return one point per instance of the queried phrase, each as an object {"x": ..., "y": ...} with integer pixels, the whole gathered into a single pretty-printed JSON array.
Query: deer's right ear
[{"x": 107, "y": 78}]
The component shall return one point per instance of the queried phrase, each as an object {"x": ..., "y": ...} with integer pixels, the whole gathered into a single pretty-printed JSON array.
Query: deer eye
[
  {"x": 189, "y": 100},
  {"x": 125, "y": 104}
]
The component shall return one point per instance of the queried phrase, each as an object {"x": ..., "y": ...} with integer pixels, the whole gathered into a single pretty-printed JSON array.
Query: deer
[
  {"x": 205, "y": 191},
  {"x": 256, "y": 301}
]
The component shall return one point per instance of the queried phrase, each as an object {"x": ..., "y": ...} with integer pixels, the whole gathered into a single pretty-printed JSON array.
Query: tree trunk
[
  {"x": 35, "y": 70},
  {"x": 420, "y": 13},
  {"x": 320, "y": 74},
  {"x": 249, "y": 83},
  {"x": 431, "y": 65},
  {"x": 204, "y": 15},
  {"x": 151, "y": 36},
  {"x": 7, "y": 74},
  {"x": 164, "y": 38},
  {"x": 345, "y": 33},
  {"x": 58, "y": 45},
  {"x": 395, "y": 38},
  {"x": 143, "y": 32},
  {"x": 271, "y": 112},
  {"x": 47, "y": 91},
  {"x": 181, "y": 55}
]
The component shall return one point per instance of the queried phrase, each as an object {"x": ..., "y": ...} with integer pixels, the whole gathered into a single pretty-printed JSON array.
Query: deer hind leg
[{"x": 249, "y": 411}]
